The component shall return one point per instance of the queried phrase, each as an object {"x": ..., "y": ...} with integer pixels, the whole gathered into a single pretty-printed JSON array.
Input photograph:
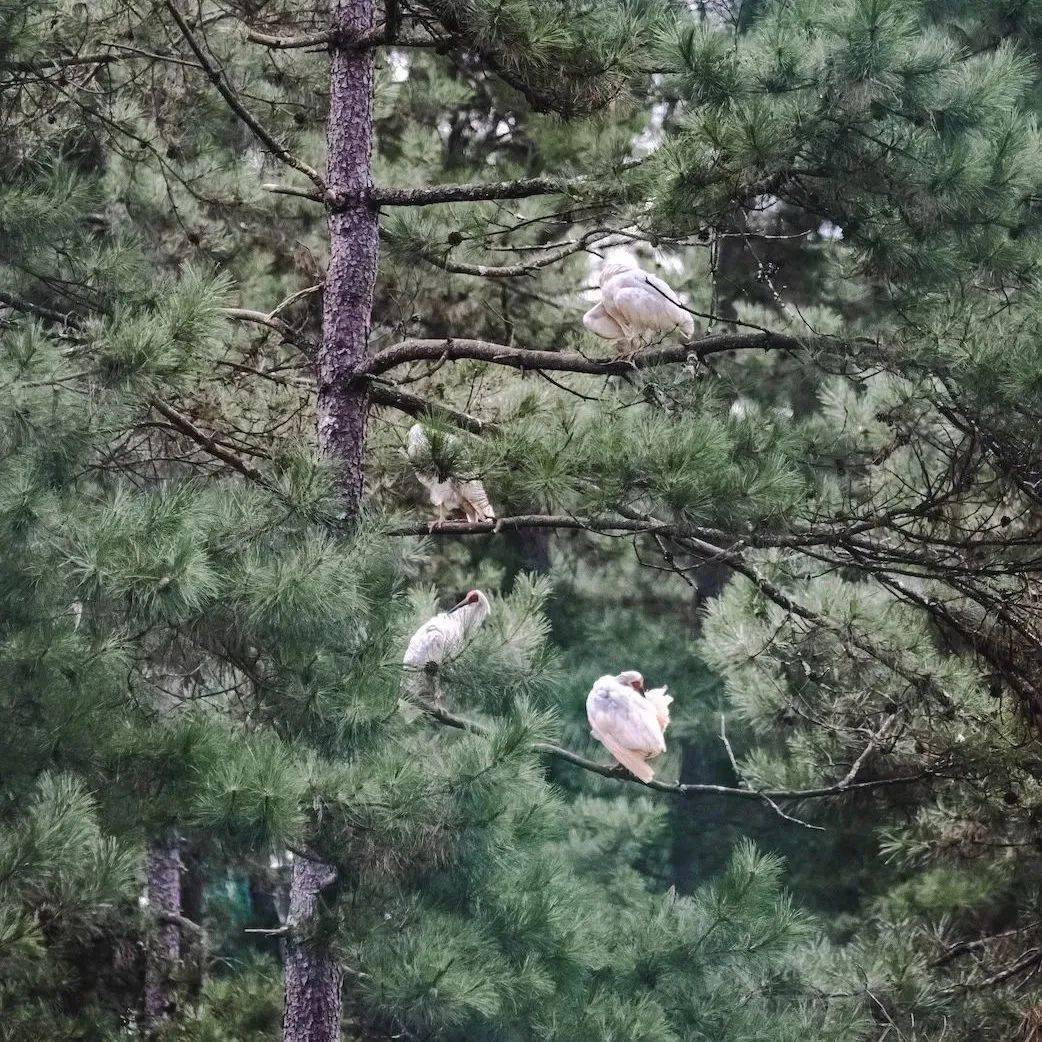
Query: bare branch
[
  {"x": 522, "y": 188},
  {"x": 63, "y": 62},
  {"x": 183, "y": 424},
  {"x": 260, "y": 318},
  {"x": 412, "y": 405},
  {"x": 288, "y": 43},
  {"x": 572, "y": 362}
]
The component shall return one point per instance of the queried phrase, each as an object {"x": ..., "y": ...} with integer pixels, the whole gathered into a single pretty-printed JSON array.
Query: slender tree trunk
[
  {"x": 163, "y": 889},
  {"x": 353, "y": 244},
  {"x": 313, "y": 980}
]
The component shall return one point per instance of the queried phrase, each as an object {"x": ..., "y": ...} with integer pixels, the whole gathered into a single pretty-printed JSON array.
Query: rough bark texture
[
  {"x": 313, "y": 978},
  {"x": 353, "y": 244},
  {"x": 163, "y": 889}
]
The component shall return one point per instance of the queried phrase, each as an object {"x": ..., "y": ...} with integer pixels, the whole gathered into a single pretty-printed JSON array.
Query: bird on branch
[
  {"x": 443, "y": 637},
  {"x": 448, "y": 494},
  {"x": 627, "y": 722},
  {"x": 636, "y": 308}
]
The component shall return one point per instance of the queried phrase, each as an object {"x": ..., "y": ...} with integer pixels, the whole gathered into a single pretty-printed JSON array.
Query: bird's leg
[
  {"x": 431, "y": 687},
  {"x": 442, "y": 516},
  {"x": 633, "y": 347}
]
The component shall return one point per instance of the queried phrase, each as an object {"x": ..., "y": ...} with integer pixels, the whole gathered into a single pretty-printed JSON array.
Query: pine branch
[
  {"x": 522, "y": 188},
  {"x": 190, "y": 430},
  {"x": 262, "y": 318},
  {"x": 64, "y": 62},
  {"x": 388, "y": 37},
  {"x": 288, "y": 43},
  {"x": 684, "y": 789},
  {"x": 28, "y": 308},
  {"x": 218, "y": 79},
  {"x": 486, "y": 191},
  {"x": 505, "y": 271},
  {"x": 452, "y": 349},
  {"x": 412, "y": 405}
]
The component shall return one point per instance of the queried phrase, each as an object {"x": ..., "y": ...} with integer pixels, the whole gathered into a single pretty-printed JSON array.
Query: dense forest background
[{"x": 245, "y": 246}]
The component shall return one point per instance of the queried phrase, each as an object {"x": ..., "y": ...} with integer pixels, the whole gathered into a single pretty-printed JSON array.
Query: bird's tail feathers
[
  {"x": 475, "y": 502},
  {"x": 630, "y": 760}
]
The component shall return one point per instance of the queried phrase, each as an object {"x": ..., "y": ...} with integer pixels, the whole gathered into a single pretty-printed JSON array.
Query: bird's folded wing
[
  {"x": 429, "y": 644},
  {"x": 644, "y": 309},
  {"x": 630, "y": 721}
]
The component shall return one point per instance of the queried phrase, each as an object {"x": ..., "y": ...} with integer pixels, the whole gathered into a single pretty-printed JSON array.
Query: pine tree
[{"x": 205, "y": 602}]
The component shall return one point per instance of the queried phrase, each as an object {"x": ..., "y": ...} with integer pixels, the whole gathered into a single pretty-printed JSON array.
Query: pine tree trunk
[
  {"x": 353, "y": 244},
  {"x": 163, "y": 889},
  {"x": 312, "y": 978}
]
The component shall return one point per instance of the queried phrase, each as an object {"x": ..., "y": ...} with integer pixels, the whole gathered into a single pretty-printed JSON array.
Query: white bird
[
  {"x": 449, "y": 495},
  {"x": 625, "y": 722},
  {"x": 445, "y": 635},
  {"x": 636, "y": 307}
]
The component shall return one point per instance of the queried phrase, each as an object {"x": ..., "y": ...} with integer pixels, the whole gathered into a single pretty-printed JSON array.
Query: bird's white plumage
[
  {"x": 598, "y": 321},
  {"x": 660, "y": 702},
  {"x": 626, "y": 724},
  {"x": 636, "y": 307},
  {"x": 444, "y": 635},
  {"x": 448, "y": 495}
]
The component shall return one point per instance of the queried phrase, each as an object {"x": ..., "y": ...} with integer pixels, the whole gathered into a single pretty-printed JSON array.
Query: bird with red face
[
  {"x": 628, "y": 724},
  {"x": 444, "y": 636}
]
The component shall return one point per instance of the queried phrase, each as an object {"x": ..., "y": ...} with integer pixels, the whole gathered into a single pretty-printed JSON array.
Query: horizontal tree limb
[
  {"x": 485, "y": 191},
  {"x": 59, "y": 62},
  {"x": 683, "y": 789},
  {"x": 413, "y": 405},
  {"x": 481, "y": 191},
  {"x": 414, "y": 350},
  {"x": 379, "y": 38}
]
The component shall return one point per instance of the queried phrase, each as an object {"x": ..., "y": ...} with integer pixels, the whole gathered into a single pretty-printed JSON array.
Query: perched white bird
[
  {"x": 636, "y": 307},
  {"x": 625, "y": 722},
  {"x": 449, "y": 495},
  {"x": 444, "y": 636}
]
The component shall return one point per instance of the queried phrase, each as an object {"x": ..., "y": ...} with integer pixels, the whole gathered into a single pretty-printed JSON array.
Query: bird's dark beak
[{"x": 456, "y": 607}]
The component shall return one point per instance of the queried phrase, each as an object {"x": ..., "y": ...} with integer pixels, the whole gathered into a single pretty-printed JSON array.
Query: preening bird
[
  {"x": 635, "y": 308},
  {"x": 448, "y": 495},
  {"x": 445, "y": 635},
  {"x": 626, "y": 723}
]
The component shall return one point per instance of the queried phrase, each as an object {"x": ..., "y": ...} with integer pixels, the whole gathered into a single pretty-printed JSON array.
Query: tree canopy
[{"x": 244, "y": 247}]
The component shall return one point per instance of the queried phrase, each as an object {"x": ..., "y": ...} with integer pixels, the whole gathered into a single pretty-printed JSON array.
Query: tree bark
[
  {"x": 353, "y": 245},
  {"x": 163, "y": 889},
  {"x": 313, "y": 980}
]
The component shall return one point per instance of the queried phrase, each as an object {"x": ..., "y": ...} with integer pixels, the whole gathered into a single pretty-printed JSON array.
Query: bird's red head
[
  {"x": 472, "y": 598},
  {"x": 631, "y": 678}
]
